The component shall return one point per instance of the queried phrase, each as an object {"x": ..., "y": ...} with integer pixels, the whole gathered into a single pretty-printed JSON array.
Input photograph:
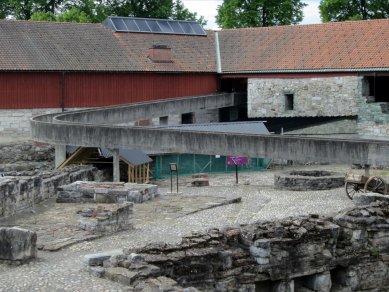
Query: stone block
[
  {"x": 107, "y": 218},
  {"x": 17, "y": 244},
  {"x": 106, "y": 192},
  {"x": 319, "y": 282},
  {"x": 121, "y": 275},
  {"x": 283, "y": 286},
  {"x": 98, "y": 259}
]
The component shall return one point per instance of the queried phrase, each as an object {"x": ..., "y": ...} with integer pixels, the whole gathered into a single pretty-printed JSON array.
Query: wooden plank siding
[
  {"x": 30, "y": 90},
  {"x": 44, "y": 90}
]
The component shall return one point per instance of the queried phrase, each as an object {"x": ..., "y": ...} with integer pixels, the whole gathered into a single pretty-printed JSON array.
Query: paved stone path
[{"x": 165, "y": 220}]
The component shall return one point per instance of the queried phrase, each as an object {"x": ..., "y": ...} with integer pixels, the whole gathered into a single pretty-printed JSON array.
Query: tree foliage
[
  {"x": 253, "y": 13},
  {"x": 341, "y": 10},
  {"x": 4, "y": 9},
  {"x": 95, "y": 10}
]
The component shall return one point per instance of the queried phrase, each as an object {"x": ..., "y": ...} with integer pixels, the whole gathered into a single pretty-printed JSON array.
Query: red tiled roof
[
  {"x": 48, "y": 46},
  {"x": 52, "y": 46},
  {"x": 354, "y": 45},
  {"x": 189, "y": 53}
]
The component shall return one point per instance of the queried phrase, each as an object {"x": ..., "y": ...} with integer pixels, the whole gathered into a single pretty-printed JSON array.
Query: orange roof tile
[{"x": 352, "y": 45}]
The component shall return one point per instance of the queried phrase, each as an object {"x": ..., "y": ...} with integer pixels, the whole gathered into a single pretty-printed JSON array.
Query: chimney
[{"x": 160, "y": 54}]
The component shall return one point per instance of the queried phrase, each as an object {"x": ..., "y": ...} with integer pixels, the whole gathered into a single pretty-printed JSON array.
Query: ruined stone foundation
[{"x": 349, "y": 252}]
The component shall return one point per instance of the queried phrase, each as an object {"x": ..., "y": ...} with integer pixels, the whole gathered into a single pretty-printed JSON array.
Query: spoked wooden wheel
[
  {"x": 375, "y": 184},
  {"x": 351, "y": 189}
]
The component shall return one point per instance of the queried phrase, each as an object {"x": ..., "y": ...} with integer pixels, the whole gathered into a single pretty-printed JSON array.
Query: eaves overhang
[{"x": 326, "y": 70}]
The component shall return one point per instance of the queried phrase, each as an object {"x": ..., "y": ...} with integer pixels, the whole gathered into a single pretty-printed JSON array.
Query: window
[
  {"x": 163, "y": 120},
  {"x": 187, "y": 118},
  {"x": 377, "y": 89},
  {"x": 289, "y": 101}
]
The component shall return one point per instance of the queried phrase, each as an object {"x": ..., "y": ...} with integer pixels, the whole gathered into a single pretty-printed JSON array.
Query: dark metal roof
[
  {"x": 149, "y": 25},
  {"x": 232, "y": 127},
  {"x": 133, "y": 157}
]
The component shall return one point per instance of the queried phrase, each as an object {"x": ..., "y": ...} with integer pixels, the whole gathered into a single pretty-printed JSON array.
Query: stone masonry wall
[
  {"x": 15, "y": 123},
  {"x": 21, "y": 192},
  {"x": 348, "y": 252},
  {"x": 24, "y": 153},
  {"x": 331, "y": 96},
  {"x": 373, "y": 119}
]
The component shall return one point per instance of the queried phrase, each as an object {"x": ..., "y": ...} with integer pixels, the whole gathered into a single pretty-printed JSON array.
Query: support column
[
  {"x": 60, "y": 154},
  {"x": 367, "y": 169},
  {"x": 116, "y": 165}
]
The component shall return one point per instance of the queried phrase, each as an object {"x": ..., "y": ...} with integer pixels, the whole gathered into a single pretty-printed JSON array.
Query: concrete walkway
[{"x": 165, "y": 220}]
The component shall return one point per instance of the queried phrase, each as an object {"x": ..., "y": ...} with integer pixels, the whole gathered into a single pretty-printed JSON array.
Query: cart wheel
[
  {"x": 351, "y": 189},
  {"x": 375, "y": 184}
]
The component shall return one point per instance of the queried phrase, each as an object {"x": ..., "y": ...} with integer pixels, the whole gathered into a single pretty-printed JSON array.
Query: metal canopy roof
[
  {"x": 150, "y": 25},
  {"x": 133, "y": 157}
]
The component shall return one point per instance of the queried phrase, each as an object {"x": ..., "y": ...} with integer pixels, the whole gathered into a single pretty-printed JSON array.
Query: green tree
[
  {"x": 21, "y": 9},
  {"x": 4, "y": 9},
  {"x": 43, "y": 16},
  {"x": 95, "y": 10},
  {"x": 180, "y": 12},
  {"x": 253, "y": 13},
  {"x": 24, "y": 9},
  {"x": 341, "y": 10},
  {"x": 74, "y": 15},
  {"x": 173, "y": 9}
]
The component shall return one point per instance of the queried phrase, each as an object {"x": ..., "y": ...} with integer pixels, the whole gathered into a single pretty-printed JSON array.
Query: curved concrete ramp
[{"x": 100, "y": 128}]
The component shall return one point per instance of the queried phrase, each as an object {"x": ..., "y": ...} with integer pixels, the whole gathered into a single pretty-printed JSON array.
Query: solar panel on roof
[
  {"x": 164, "y": 25},
  {"x": 197, "y": 28},
  {"x": 154, "y": 26},
  {"x": 131, "y": 25},
  {"x": 142, "y": 24},
  {"x": 176, "y": 27},
  {"x": 149, "y": 25},
  {"x": 119, "y": 24},
  {"x": 186, "y": 27}
]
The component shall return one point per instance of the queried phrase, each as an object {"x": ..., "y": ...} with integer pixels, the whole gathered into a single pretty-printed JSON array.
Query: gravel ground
[{"x": 165, "y": 220}]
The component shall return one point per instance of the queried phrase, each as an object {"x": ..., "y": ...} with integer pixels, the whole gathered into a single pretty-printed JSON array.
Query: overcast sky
[{"x": 207, "y": 8}]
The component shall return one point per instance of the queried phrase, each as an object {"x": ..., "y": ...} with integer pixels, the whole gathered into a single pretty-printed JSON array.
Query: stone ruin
[
  {"x": 115, "y": 210},
  {"x": 107, "y": 218},
  {"x": 349, "y": 252},
  {"x": 106, "y": 192},
  {"x": 306, "y": 180},
  {"x": 22, "y": 190}
]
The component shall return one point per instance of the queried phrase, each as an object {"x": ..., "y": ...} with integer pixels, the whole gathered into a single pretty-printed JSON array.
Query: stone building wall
[
  {"x": 373, "y": 119},
  {"x": 330, "y": 96},
  {"x": 344, "y": 126},
  {"x": 15, "y": 123}
]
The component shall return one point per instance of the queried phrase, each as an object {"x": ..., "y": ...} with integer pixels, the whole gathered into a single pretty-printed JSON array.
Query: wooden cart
[{"x": 355, "y": 183}]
